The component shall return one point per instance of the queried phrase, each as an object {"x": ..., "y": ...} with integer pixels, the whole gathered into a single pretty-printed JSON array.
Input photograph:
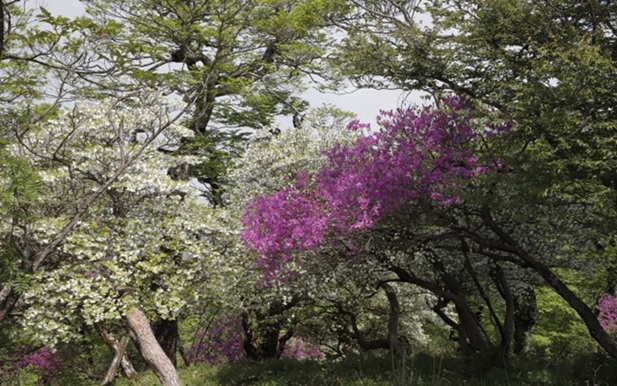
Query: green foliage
[
  {"x": 20, "y": 184},
  {"x": 559, "y": 334},
  {"x": 218, "y": 150},
  {"x": 36, "y": 46},
  {"x": 20, "y": 187},
  {"x": 26, "y": 376},
  {"x": 549, "y": 67},
  {"x": 241, "y": 63},
  {"x": 546, "y": 67}
]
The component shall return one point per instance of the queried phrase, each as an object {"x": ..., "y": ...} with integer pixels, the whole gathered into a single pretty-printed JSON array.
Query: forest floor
[{"x": 420, "y": 370}]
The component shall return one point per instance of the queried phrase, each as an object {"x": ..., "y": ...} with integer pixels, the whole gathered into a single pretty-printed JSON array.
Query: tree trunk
[
  {"x": 525, "y": 317},
  {"x": 393, "y": 320},
  {"x": 509, "y": 321},
  {"x": 8, "y": 299},
  {"x": 391, "y": 340},
  {"x": 262, "y": 339},
  {"x": 471, "y": 337},
  {"x": 150, "y": 348},
  {"x": 586, "y": 314},
  {"x": 469, "y": 327},
  {"x": 166, "y": 332},
  {"x": 183, "y": 354},
  {"x": 115, "y": 363},
  {"x": 111, "y": 341},
  {"x": 263, "y": 342}
]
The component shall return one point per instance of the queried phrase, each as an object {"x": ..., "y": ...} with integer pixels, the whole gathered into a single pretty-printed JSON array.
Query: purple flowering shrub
[
  {"x": 43, "y": 360},
  {"x": 220, "y": 343},
  {"x": 607, "y": 306},
  {"x": 419, "y": 155},
  {"x": 223, "y": 342}
]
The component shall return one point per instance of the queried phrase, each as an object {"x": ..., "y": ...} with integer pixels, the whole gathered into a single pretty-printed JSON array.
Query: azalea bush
[
  {"x": 607, "y": 307},
  {"x": 419, "y": 155},
  {"x": 42, "y": 359},
  {"x": 34, "y": 366}
]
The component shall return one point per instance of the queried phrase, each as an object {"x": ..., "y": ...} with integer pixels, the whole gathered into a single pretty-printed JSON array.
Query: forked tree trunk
[
  {"x": 115, "y": 363},
  {"x": 111, "y": 341},
  {"x": 151, "y": 349},
  {"x": 263, "y": 342},
  {"x": 471, "y": 336},
  {"x": 263, "y": 339}
]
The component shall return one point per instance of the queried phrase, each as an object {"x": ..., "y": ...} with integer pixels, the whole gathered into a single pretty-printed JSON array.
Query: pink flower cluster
[
  {"x": 418, "y": 154},
  {"x": 43, "y": 359},
  {"x": 607, "y": 306}
]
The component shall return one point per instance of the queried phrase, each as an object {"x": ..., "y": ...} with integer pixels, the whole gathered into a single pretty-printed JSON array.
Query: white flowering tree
[
  {"x": 324, "y": 291},
  {"x": 111, "y": 236}
]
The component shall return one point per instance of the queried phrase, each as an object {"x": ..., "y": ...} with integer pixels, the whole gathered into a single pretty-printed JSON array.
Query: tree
[
  {"x": 274, "y": 310},
  {"x": 391, "y": 199},
  {"x": 237, "y": 63},
  {"x": 127, "y": 241},
  {"x": 241, "y": 62},
  {"x": 27, "y": 55},
  {"x": 548, "y": 68}
]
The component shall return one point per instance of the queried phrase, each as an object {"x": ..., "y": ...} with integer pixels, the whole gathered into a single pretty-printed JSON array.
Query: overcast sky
[{"x": 365, "y": 103}]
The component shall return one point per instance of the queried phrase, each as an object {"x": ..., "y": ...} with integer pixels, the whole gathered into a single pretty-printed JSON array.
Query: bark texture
[
  {"x": 151, "y": 349},
  {"x": 115, "y": 363},
  {"x": 113, "y": 343}
]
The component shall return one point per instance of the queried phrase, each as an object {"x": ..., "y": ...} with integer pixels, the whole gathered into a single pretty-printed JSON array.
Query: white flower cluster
[
  {"x": 271, "y": 161},
  {"x": 145, "y": 233}
]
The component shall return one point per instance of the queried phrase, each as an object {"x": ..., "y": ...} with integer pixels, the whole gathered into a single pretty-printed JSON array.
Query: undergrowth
[{"x": 375, "y": 370}]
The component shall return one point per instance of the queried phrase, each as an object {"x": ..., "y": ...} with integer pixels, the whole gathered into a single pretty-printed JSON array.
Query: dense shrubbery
[{"x": 223, "y": 342}]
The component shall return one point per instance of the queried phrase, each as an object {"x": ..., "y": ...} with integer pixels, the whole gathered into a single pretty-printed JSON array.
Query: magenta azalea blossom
[
  {"x": 607, "y": 306},
  {"x": 42, "y": 359},
  {"x": 418, "y": 154}
]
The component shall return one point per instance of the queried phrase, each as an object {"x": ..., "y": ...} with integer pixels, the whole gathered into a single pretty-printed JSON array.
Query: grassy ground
[
  {"x": 363, "y": 370},
  {"x": 422, "y": 370}
]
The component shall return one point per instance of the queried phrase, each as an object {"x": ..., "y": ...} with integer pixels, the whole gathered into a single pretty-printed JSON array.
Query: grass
[
  {"x": 366, "y": 370},
  {"x": 375, "y": 370},
  {"x": 353, "y": 372}
]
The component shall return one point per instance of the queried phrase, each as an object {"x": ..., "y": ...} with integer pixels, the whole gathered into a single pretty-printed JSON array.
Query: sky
[{"x": 366, "y": 104}]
